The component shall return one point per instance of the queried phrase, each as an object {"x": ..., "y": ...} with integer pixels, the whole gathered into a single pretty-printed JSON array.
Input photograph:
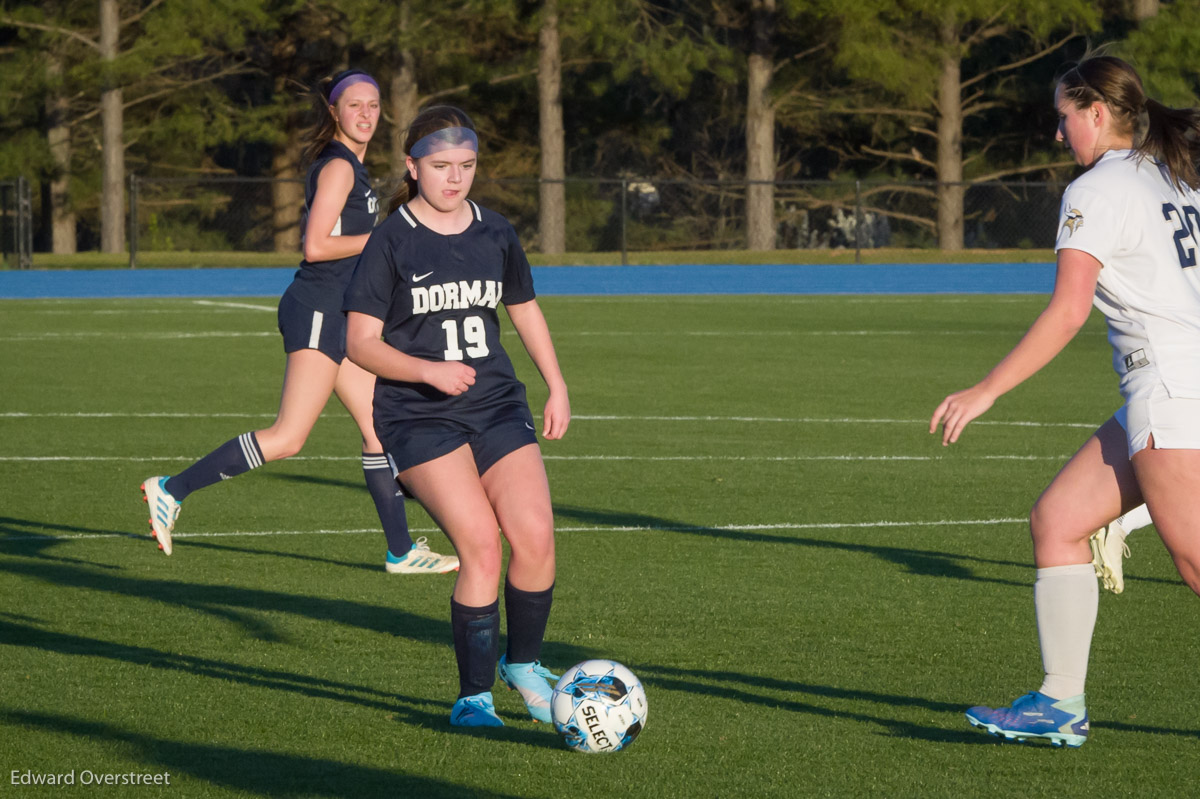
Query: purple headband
[
  {"x": 445, "y": 139},
  {"x": 345, "y": 83}
]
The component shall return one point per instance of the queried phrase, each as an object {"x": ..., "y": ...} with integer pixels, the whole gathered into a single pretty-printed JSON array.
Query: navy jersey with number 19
[{"x": 437, "y": 296}]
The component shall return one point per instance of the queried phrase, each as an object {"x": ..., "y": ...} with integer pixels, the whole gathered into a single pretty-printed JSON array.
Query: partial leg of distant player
[
  {"x": 1109, "y": 547},
  {"x": 309, "y": 379},
  {"x": 356, "y": 388}
]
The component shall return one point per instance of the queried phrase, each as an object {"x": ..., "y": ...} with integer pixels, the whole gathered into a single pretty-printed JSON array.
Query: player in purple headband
[
  {"x": 344, "y": 80},
  {"x": 340, "y": 210},
  {"x": 450, "y": 412}
]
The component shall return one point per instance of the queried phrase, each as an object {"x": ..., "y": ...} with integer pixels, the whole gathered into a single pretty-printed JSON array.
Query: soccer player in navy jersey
[
  {"x": 451, "y": 414},
  {"x": 341, "y": 208}
]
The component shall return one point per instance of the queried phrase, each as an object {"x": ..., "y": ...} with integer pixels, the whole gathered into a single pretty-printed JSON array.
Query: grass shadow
[
  {"x": 234, "y": 603},
  {"x": 193, "y": 543},
  {"x": 746, "y": 688},
  {"x": 258, "y": 772},
  {"x": 926, "y": 563}
]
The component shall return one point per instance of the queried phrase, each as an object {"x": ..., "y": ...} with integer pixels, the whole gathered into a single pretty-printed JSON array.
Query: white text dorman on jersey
[{"x": 457, "y": 295}]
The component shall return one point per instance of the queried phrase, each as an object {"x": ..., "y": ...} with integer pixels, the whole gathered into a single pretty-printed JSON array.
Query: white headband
[{"x": 445, "y": 139}]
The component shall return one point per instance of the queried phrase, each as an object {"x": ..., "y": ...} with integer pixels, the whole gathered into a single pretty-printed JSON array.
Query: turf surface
[{"x": 751, "y": 516}]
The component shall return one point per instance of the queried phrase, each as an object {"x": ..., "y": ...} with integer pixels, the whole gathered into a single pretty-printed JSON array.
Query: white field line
[
  {"x": 145, "y": 334},
  {"x": 77, "y": 335},
  {"x": 795, "y": 299},
  {"x": 210, "y": 305},
  {"x": 246, "y": 305},
  {"x": 665, "y": 528},
  {"x": 578, "y": 418},
  {"x": 735, "y": 333},
  {"x": 580, "y": 458}
]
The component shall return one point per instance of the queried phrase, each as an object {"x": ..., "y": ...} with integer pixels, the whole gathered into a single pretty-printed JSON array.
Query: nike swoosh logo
[
  {"x": 419, "y": 278},
  {"x": 527, "y": 424}
]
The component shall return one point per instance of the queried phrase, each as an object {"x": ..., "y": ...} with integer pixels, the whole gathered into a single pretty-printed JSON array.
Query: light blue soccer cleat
[
  {"x": 164, "y": 510},
  {"x": 530, "y": 680},
  {"x": 475, "y": 711},
  {"x": 1062, "y": 722}
]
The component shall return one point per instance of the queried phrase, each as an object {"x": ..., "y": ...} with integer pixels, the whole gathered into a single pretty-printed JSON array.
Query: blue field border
[{"x": 998, "y": 278}]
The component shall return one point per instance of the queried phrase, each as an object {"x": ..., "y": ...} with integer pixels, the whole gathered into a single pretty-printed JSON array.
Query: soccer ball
[{"x": 598, "y": 706}]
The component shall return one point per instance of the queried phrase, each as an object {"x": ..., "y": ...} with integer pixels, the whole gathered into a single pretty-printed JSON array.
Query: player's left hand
[
  {"x": 957, "y": 410},
  {"x": 557, "y": 415}
]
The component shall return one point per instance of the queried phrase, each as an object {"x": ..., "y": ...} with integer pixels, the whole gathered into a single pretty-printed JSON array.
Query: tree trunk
[
  {"x": 760, "y": 131},
  {"x": 287, "y": 191},
  {"x": 112, "y": 139},
  {"x": 949, "y": 144},
  {"x": 552, "y": 213},
  {"x": 287, "y": 195},
  {"x": 58, "y": 140},
  {"x": 1142, "y": 10},
  {"x": 402, "y": 96}
]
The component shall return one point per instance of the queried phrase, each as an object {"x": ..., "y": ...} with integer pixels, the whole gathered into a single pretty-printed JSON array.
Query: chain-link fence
[
  {"x": 622, "y": 215},
  {"x": 16, "y": 223}
]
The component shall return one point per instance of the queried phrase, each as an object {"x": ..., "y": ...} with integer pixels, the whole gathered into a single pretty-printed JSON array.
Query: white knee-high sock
[
  {"x": 1137, "y": 518},
  {"x": 1066, "y": 599}
]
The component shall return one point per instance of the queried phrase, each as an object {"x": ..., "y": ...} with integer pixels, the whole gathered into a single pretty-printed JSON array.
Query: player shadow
[
  {"x": 918, "y": 562},
  {"x": 417, "y": 711},
  {"x": 915, "y": 561},
  {"x": 741, "y": 688},
  {"x": 245, "y": 607},
  {"x": 248, "y": 607},
  {"x": 182, "y": 540},
  {"x": 27, "y": 537},
  {"x": 328, "y": 482},
  {"x": 33, "y": 637},
  {"x": 258, "y": 771}
]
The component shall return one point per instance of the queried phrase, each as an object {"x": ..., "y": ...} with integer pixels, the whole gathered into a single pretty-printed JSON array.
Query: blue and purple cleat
[{"x": 1062, "y": 722}]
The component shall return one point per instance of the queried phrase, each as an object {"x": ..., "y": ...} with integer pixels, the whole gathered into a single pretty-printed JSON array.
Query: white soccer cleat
[
  {"x": 1108, "y": 550},
  {"x": 420, "y": 560},
  {"x": 164, "y": 510}
]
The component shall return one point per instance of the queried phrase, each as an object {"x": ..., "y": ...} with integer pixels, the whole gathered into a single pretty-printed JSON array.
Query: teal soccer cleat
[
  {"x": 530, "y": 679},
  {"x": 420, "y": 560},
  {"x": 475, "y": 711},
  {"x": 164, "y": 510}
]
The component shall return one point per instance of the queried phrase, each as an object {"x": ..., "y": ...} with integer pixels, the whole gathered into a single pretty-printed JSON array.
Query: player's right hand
[
  {"x": 450, "y": 377},
  {"x": 957, "y": 410}
]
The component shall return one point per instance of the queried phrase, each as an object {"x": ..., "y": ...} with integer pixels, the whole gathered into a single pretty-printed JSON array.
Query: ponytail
[
  {"x": 1169, "y": 135},
  {"x": 1173, "y": 137},
  {"x": 321, "y": 129}
]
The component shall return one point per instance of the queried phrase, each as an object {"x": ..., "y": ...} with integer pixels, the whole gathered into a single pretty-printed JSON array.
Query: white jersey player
[{"x": 1128, "y": 241}]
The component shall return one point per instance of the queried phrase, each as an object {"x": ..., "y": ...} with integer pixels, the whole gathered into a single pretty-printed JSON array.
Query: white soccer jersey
[{"x": 1126, "y": 213}]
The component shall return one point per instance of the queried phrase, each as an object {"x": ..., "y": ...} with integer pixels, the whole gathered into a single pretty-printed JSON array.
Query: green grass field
[{"x": 751, "y": 516}]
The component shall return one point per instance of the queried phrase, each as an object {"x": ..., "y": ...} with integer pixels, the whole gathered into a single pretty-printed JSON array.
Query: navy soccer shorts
[
  {"x": 306, "y": 328},
  {"x": 415, "y": 442}
]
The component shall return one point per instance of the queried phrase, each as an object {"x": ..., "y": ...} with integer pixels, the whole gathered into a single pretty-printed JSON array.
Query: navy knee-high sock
[
  {"x": 526, "y": 613},
  {"x": 389, "y": 502},
  {"x": 476, "y": 646},
  {"x": 234, "y": 457}
]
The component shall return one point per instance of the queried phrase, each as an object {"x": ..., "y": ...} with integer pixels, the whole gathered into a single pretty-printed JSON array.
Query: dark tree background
[{"x": 749, "y": 93}]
